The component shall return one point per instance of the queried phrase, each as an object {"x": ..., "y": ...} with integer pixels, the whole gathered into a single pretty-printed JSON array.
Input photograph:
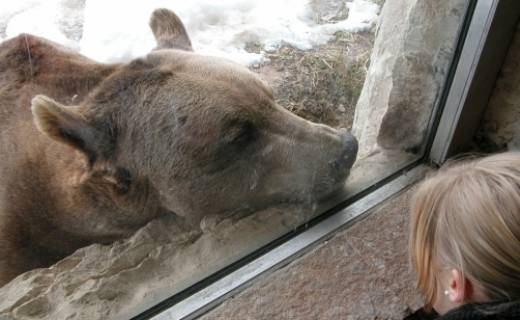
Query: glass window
[{"x": 171, "y": 152}]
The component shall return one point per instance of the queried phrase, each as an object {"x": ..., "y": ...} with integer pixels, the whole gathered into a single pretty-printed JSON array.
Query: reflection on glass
[{"x": 165, "y": 161}]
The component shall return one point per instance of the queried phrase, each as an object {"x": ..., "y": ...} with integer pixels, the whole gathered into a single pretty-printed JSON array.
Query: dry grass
[{"x": 323, "y": 84}]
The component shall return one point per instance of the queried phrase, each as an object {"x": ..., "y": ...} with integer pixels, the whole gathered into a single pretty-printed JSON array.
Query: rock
[
  {"x": 501, "y": 125},
  {"x": 121, "y": 280},
  {"x": 327, "y": 11},
  {"x": 414, "y": 45}
]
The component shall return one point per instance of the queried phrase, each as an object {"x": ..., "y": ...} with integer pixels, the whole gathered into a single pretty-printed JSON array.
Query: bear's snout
[{"x": 350, "y": 148}]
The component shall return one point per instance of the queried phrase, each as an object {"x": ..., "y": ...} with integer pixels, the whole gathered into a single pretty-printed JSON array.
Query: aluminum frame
[{"x": 488, "y": 37}]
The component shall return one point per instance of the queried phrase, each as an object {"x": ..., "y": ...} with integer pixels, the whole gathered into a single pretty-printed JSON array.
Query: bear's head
[{"x": 204, "y": 133}]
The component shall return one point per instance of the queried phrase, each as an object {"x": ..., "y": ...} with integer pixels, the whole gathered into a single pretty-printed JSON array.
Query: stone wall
[
  {"x": 414, "y": 45},
  {"x": 500, "y": 128}
]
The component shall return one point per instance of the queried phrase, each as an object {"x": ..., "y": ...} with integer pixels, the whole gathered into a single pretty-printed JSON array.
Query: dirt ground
[{"x": 322, "y": 84}]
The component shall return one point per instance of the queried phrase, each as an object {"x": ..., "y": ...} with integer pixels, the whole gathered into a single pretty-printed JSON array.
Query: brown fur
[{"x": 91, "y": 152}]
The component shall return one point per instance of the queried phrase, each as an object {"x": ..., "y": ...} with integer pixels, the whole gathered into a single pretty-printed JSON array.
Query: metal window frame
[
  {"x": 487, "y": 41},
  {"x": 483, "y": 43}
]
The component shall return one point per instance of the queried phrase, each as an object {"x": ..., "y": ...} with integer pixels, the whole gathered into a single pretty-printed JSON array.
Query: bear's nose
[
  {"x": 350, "y": 147},
  {"x": 341, "y": 165}
]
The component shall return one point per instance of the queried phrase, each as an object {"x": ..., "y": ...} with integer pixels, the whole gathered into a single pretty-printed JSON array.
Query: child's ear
[
  {"x": 459, "y": 287},
  {"x": 64, "y": 124}
]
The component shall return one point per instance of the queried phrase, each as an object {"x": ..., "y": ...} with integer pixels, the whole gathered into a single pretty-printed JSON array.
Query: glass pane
[{"x": 144, "y": 167}]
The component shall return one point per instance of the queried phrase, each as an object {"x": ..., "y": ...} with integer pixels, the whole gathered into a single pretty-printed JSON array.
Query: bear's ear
[
  {"x": 169, "y": 31},
  {"x": 66, "y": 125}
]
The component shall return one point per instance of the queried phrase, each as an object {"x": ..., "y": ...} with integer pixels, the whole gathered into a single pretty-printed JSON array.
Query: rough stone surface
[
  {"x": 501, "y": 125},
  {"x": 121, "y": 280},
  {"x": 360, "y": 273},
  {"x": 410, "y": 60}
]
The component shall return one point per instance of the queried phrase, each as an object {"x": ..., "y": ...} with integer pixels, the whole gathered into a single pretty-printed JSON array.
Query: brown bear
[{"x": 91, "y": 152}]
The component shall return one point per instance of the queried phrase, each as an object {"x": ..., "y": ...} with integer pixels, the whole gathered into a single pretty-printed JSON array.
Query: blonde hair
[{"x": 467, "y": 217}]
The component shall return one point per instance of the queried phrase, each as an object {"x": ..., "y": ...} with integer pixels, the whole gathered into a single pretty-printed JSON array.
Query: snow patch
[
  {"x": 40, "y": 18},
  {"x": 116, "y": 30}
]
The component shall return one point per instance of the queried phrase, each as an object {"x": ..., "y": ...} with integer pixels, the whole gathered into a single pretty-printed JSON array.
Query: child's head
[{"x": 465, "y": 232}]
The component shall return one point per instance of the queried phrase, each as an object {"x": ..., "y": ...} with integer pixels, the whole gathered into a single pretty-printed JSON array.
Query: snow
[
  {"x": 31, "y": 16},
  {"x": 117, "y": 30}
]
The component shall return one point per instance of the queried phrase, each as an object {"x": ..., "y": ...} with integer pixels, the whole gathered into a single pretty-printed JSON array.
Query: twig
[{"x": 29, "y": 54}]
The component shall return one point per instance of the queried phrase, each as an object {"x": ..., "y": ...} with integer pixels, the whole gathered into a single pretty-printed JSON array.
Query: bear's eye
[{"x": 241, "y": 133}]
